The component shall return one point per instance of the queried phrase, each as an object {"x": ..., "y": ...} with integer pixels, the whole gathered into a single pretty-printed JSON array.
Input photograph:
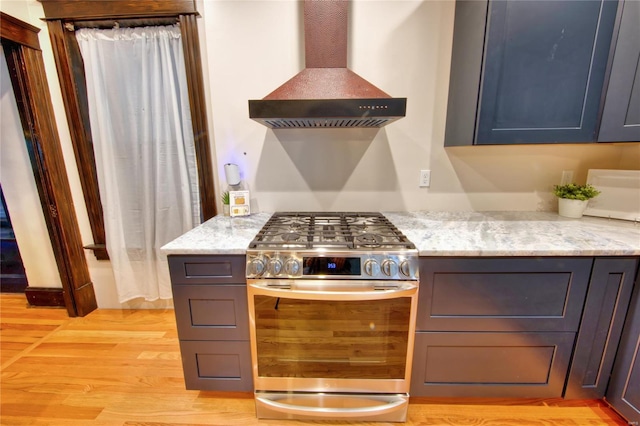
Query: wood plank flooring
[{"x": 123, "y": 368}]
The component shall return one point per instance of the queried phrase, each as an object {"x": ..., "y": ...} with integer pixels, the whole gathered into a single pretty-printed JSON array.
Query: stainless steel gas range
[{"x": 332, "y": 306}]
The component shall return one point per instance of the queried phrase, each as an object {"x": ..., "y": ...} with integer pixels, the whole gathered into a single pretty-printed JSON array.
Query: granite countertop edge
[{"x": 449, "y": 234}]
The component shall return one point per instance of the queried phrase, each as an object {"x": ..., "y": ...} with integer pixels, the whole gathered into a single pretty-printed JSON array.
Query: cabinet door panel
[
  {"x": 502, "y": 294},
  {"x": 544, "y": 69},
  {"x": 519, "y": 365},
  {"x": 217, "y": 312},
  {"x": 217, "y": 365},
  {"x": 604, "y": 313},
  {"x": 466, "y": 64},
  {"x": 621, "y": 115},
  {"x": 623, "y": 392}
]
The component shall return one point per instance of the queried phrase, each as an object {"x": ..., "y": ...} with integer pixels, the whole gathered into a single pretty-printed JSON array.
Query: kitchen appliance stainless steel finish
[
  {"x": 332, "y": 306},
  {"x": 326, "y": 93}
]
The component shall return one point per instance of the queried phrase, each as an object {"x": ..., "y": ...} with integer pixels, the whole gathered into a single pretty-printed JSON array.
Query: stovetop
[
  {"x": 352, "y": 231},
  {"x": 341, "y": 245}
]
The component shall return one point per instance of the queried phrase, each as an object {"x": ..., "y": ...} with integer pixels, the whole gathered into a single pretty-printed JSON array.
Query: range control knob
[
  {"x": 291, "y": 266},
  {"x": 275, "y": 266},
  {"x": 405, "y": 268},
  {"x": 390, "y": 268},
  {"x": 371, "y": 268},
  {"x": 256, "y": 266}
]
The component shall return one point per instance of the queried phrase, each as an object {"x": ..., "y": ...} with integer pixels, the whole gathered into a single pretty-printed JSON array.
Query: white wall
[{"x": 403, "y": 47}]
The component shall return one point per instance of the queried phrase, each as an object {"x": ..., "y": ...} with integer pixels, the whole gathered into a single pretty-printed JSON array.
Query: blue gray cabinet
[
  {"x": 604, "y": 314},
  {"x": 210, "y": 302},
  {"x": 528, "y": 71},
  {"x": 497, "y": 327},
  {"x": 621, "y": 114},
  {"x": 624, "y": 389}
]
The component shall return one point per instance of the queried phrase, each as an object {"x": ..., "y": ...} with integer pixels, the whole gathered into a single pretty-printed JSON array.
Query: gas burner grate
[{"x": 339, "y": 230}]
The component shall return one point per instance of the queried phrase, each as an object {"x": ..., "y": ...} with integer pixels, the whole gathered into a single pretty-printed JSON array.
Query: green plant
[
  {"x": 225, "y": 197},
  {"x": 573, "y": 191}
]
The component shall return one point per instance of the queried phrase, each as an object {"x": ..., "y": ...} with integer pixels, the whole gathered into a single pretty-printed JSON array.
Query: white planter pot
[
  {"x": 571, "y": 208},
  {"x": 226, "y": 209}
]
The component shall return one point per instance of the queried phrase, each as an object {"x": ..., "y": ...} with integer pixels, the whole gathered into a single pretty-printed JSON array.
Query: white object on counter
[
  {"x": 232, "y": 174},
  {"x": 571, "y": 208},
  {"x": 619, "y": 194}
]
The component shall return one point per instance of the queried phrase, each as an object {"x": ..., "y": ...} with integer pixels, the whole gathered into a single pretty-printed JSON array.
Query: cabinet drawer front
[
  {"x": 502, "y": 294},
  {"x": 217, "y": 365},
  {"x": 521, "y": 365},
  {"x": 211, "y": 269},
  {"x": 211, "y": 312}
]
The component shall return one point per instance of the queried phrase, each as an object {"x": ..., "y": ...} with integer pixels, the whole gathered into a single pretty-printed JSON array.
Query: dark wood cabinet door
[
  {"x": 544, "y": 69},
  {"x": 623, "y": 392},
  {"x": 621, "y": 115}
]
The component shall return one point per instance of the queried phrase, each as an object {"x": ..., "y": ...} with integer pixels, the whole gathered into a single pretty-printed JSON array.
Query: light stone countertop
[
  {"x": 219, "y": 235},
  {"x": 450, "y": 234},
  {"x": 516, "y": 234}
]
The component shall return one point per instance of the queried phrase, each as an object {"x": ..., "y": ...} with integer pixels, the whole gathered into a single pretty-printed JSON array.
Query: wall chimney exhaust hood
[{"x": 326, "y": 93}]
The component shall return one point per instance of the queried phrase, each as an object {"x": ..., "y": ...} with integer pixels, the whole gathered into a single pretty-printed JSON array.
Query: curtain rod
[{"x": 121, "y": 23}]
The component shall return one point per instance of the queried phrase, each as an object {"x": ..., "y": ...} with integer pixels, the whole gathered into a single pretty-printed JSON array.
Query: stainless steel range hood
[{"x": 326, "y": 93}]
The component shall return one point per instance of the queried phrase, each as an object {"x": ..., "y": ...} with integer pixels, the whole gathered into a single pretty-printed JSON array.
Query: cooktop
[{"x": 331, "y": 230}]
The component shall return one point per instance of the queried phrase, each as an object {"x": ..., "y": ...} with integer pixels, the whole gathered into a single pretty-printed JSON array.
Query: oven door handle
[
  {"x": 324, "y": 290},
  {"x": 390, "y": 406}
]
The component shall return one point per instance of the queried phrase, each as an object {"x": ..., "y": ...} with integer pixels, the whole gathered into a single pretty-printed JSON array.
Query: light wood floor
[{"x": 116, "y": 368}]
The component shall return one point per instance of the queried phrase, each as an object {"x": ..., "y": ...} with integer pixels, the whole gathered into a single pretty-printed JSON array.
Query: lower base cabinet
[
  {"x": 530, "y": 327},
  {"x": 535, "y": 327},
  {"x": 210, "y": 303}
]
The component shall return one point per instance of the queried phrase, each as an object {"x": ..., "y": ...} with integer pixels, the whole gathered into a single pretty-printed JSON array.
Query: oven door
[{"x": 332, "y": 336}]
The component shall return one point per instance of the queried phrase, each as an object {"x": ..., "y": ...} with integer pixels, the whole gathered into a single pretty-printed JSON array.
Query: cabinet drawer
[
  {"x": 514, "y": 365},
  {"x": 502, "y": 294},
  {"x": 217, "y": 312},
  {"x": 209, "y": 269},
  {"x": 217, "y": 365}
]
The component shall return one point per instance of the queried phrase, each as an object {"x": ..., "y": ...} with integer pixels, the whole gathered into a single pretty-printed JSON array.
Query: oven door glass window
[{"x": 332, "y": 339}]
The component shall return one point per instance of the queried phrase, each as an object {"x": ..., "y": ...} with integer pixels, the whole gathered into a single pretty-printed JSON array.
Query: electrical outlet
[
  {"x": 425, "y": 178},
  {"x": 567, "y": 177}
]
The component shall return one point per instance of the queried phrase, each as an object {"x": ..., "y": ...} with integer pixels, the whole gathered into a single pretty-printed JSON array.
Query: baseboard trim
[{"x": 43, "y": 296}]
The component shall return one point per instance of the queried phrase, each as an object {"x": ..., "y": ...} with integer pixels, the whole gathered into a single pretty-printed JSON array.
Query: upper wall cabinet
[
  {"x": 621, "y": 115},
  {"x": 526, "y": 71}
]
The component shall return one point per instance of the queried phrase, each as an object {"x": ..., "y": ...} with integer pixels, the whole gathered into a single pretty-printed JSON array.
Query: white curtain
[{"x": 144, "y": 150}]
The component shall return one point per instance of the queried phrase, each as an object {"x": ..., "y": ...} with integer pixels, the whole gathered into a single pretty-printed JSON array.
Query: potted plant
[
  {"x": 573, "y": 198},
  {"x": 225, "y": 203}
]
